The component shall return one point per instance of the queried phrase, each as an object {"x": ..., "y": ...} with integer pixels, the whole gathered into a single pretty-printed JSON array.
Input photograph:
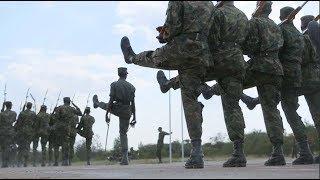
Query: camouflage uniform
[
  {"x": 187, "y": 50},
  {"x": 42, "y": 130},
  {"x": 86, "y": 123},
  {"x": 291, "y": 59},
  {"x": 73, "y": 134},
  {"x": 64, "y": 115},
  {"x": 160, "y": 144},
  {"x": 311, "y": 71},
  {"x": 25, "y": 134},
  {"x": 7, "y": 118},
  {"x": 227, "y": 34},
  {"x": 52, "y": 139}
]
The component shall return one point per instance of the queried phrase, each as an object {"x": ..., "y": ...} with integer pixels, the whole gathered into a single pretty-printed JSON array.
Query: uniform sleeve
[
  {"x": 80, "y": 126},
  {"x": 251, "y": 43},
  {"x": 174, "y": 21},
  {"x": 77, "y": 112},
  {"x": 112, "y": 90},
  {"x": 165, "y": 133}
]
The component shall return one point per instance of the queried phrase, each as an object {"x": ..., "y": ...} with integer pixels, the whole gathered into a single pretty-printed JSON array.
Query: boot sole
[
  {"x": 302, "y": 163},
  {"x": 194, "y": 167},
  {"x": 236, "y": 165},
  {"x": 125, "y": 43},
  {"x": 281, "y": 164}
]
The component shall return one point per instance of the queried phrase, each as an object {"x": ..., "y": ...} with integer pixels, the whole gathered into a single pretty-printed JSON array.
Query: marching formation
[{"x": 204, "y": 43}]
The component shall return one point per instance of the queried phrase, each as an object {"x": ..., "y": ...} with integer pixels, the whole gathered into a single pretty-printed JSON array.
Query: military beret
[
  {"x": 122, "y": 70},
  {"x": 307, "y": 18},
  {"x": 285, "y": 11}
]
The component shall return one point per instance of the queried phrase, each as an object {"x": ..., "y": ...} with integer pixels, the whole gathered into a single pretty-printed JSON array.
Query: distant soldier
[
  {"x": 64, "y": 115},
  {"x": 160, "y": 142},
  {"x": 85, "y": 130},
  {"x": 25, "y": 133},
  {"x": 121, "y": 104},
  {"x": 73, "y": 134},
  {"x": 42, "y": 131},
  {"x": 7, "y": 118}
]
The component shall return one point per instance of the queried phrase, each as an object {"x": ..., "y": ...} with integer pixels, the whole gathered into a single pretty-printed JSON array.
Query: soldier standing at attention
[
  {"x": 121, "y": 104},
  {"x": 85, "y": 130},
  {"x": 7, "y": 134},
  {"x": 25, "y": 133},
  {"x": 160, "y": 142}
]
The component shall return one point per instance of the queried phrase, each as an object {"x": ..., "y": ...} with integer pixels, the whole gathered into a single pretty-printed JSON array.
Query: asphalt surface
[{"x": 213, "y": 169}]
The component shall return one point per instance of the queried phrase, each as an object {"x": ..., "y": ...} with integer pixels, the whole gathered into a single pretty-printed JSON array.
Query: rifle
[
  {"x": 259, "y": 9},
  {"x": 219, "y": 4},
  {"x": 25, "y": 103},
  {"x": 291, "y": 16},
  {"x": 315, "y": 19},
  {"x": 73, "y": 97},
  {"x": 45, "y": 97},
  {"x": 105, "y": 147},
  {"x": 34, "y": 101},
  {"x": 57, "y": 101},
  {"x": 5, "y": 93}
]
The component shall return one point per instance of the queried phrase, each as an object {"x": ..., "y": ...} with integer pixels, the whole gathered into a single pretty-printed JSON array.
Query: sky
[{"x": 75, "y": 47}]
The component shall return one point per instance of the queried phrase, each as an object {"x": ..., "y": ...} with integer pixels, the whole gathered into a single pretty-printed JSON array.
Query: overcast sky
[{"x": 75, "y": 47}]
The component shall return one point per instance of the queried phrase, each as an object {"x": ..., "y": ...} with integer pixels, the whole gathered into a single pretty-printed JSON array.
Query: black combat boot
[
  {"x": 238, "y": 158},
  {"x": 127, "y": 51},
  {"x": 163, "y": 82},
  {"x": 317, "y": 159},
  {"x": 305, "y": 155},
  {"x": 195, "y": 160},
  {"x": 277, "y": 157},
  {"x": 249, "y": 101},
  {"x": 207, "y": 91}
]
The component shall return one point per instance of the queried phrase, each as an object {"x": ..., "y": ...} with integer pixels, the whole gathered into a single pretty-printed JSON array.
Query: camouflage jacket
[
  {"x": 64, "y": 116},
  {"x": 186, "y": 28},
  {"x": 74, "y": 123},
  {"x": 7, "y": 118},
  {"x": 262, "y": 45},
  {"x": 161, "y": 136},
  {"x": 86, "y": 123},
  {"x": 42, "y": 124},
  {"x": 227, "y": 34},
  {"x": 26, "y": 122},
  {"x": 291, "y": 53},
  {"x": 310, "y": 64}
]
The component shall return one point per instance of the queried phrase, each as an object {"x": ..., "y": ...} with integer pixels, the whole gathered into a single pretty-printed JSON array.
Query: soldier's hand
[
  {"x": 160, "y": 39},
  {"x": 133, "y": 122},
  {"x": 159, "y": 29}
]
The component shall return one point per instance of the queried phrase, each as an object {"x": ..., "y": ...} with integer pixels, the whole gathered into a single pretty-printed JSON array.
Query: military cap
[
  {"x": 122, "y": 70},
  {"x": 66, "y": 99},
  {"x": 7, "y": 103},
  {"x": 285, "y": 11},
  {"x": 29, "y": 104},
  {"x": 307, "y": 18},
  {"x": 43, "y": 106},
  {"x": 159, "y": 128},
  {"x": 87, "y": 108}
]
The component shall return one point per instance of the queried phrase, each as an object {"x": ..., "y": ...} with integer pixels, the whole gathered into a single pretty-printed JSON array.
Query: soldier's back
[{"x": 122, "y": 91}]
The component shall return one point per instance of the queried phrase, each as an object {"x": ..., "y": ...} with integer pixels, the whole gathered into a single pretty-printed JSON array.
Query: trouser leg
[
  {"x": 123, "y": 128},
  {"x": 88, "y": 149},
  {"x": 35, "y": 143}
]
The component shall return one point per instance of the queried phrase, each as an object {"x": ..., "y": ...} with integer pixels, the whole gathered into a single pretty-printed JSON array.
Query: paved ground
[{"x": 213, "y": 169}]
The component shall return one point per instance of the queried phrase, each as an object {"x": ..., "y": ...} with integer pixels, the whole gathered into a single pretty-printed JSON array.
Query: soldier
[
  {"x": 52, "y": 139},
  {"x": 25, "y": 133},
  {"x": 7, "y": 134},
  {"x": 185, "y": 33},
  {"x": 160, "y": 142},
  {"x": 42, "y": 130},
  {"x": 85, "y": 130},
  {"x": 311, "y": 70},
  {"x": 73, "y": 134},
  {"x": 64, "y": 115},
  {"x": 121, "y": 104},
  {"x": 227, "y": 32}
]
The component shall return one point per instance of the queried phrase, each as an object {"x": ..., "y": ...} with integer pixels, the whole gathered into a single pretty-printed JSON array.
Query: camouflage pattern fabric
[
  {"x": 42, "y": 131},
  {"x": 85, "y": 130},
  {"x": 64, "y": 115},
  {"x": 25, "y": 134},
  {"x": 7, "y": 134},
  {"x": 313, "y": 30},
  {"x": 52, "y": 137},
  {"x": 73, "y": 134}
]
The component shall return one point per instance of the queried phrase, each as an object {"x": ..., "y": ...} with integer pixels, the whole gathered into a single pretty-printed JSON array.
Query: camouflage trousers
[
  {"x": 159, "y": 148},
  {"x": 188, "y": 55},
  {"x": 88, "y": 147},
  {"x": 62, "y": 138},
  {"x": 123, "y": 126},
  {"x": 43, "y": 141},
  {"x": 51, "y": 146},
  {"x": 71, "y": 144},
  {"x": 290, "y": 105},
  {"x": 23, "y": 141},
  {"x": 6, "y": 141}
]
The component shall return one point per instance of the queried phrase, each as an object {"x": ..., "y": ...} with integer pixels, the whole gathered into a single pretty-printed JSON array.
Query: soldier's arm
[
  {"x": 2, "y": 107},
  {"x": 173, "y": 24},
  {"x": 80, "y": 125},
  {"x": 251, "y": 44}
]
